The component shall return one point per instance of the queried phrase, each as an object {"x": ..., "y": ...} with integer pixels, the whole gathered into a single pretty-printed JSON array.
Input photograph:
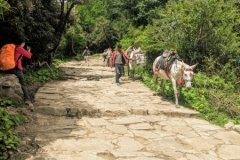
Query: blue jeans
[{"x": 119, "y": 71}]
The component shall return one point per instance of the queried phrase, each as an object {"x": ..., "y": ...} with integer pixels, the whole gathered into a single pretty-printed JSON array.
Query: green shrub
[
  {"x": 147, "y": 79},
  {"x": 222, "y": 94},
  {"x": 8, "y": 139},
  {"x": 214, "y": 98},
  {"x": 43, "y": 74},
  {"x": 6, "y": 102},
  {"x": 78, "y": 57},
  {"x": 139, "y": 70},
  {"x": 58, "y": 61}
]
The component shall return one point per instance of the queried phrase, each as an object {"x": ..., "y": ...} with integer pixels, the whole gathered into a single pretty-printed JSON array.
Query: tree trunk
[{"x": 62, "y": 26}]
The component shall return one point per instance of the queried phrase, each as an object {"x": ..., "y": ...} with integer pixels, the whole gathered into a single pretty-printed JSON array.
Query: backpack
[{"x": 7, "y": 60}]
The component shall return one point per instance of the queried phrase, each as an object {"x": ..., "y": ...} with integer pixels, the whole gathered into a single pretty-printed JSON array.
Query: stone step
[{"x": 80, "y": 112}]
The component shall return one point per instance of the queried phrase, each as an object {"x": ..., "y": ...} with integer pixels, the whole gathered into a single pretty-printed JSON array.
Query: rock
[
  {"x": 10, "y": 87},
  {"x": 236, "y": 128},
  {"x": 229, "y": 125}
]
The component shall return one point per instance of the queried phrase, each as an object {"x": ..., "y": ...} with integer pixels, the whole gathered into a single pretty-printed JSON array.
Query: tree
[
  {"x": 200, "y": 30},
  {"x": 41, "y": 23},
  {"x": 103, "y": 23},
  {"x": 4, "y": 6},
  {"x": 141, "y": 12}
]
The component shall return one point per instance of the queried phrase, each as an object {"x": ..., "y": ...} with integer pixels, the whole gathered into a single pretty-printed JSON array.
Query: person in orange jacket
[
  {"x": 20, "y": 53},
  {"x": 119, "y": 59}
]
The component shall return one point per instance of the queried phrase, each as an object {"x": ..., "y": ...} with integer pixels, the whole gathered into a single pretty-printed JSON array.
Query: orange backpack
[{"x": 7, "y": 54}]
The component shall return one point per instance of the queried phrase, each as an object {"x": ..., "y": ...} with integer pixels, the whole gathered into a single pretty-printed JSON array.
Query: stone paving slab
[
  {"x": 89, "y": 117},
  {"x": 139, "y": 137},
  {"x": 106, "y": 97}
]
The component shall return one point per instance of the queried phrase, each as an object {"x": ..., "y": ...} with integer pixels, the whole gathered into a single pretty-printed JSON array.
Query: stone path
[{"x": 89, "y": 117}]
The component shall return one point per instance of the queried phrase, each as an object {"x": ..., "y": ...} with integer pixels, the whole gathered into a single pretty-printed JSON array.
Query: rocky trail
[{"x": 89, "y": 117}]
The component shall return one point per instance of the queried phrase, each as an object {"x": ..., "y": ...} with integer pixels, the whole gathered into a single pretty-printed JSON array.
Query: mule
[
  {"x": 107, "y": 54},
  {"x": 136, "y": 58},
  {"x": 179, "y": 73}
]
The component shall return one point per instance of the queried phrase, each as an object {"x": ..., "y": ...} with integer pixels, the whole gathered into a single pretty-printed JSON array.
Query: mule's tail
[
  {"x": 155, "y": 73},
  {"x": 155, "y": 79}
]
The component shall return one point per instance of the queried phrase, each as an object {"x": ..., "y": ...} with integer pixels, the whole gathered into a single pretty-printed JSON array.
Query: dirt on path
[{"x": 89, "y": 117}]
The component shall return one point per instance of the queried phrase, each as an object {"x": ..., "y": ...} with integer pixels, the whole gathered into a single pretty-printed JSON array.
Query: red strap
[{"x": 181, "y": 82}]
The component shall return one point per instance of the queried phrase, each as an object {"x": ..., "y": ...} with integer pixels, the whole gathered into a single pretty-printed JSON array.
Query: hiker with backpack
[{"x": 15, "y": 55}]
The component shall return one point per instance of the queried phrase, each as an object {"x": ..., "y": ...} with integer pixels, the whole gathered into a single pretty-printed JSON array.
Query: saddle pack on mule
[
  {"x": 166, "y": 60},
  {"x": 7, "y": 57}
]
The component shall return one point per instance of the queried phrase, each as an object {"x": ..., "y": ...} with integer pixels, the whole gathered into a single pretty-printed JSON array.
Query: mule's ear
[{"x": 193, "y": 66}]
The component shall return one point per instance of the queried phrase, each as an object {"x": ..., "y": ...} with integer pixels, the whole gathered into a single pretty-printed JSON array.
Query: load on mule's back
[
  {"x": 169, "y": 66},
  {"x": 166, "y": 60}
]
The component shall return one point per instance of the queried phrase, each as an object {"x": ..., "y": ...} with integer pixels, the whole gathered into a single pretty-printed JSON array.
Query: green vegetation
[
  {"x": 4, "y": 6},
  {"x": 6, "y": 102},
  {"x": 216, "y": 106},
  {"x": 9, "y": 141},
  {"x": 43, "y": 75}
]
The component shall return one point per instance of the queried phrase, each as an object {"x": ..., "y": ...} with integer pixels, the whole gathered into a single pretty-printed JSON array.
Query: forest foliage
[{"x": 206, "y": 32}]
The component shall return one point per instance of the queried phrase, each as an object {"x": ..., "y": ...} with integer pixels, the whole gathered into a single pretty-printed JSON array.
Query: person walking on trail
[
  {"x": 86, "y": 54},
  {"x": 119, "y": 59},
  {"x": 19, "y": 54}
]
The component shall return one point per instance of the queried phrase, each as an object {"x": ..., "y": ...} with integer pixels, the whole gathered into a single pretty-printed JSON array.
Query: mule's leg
[
  {"x": 162, "y": 86},
  {"x": 104, "y": 58},
  {"x": 130, "y": 73},
  {"x": 128, "y": 69},
  {"x": 155, "y": 79},
  {"x": 174, "y": 84},
  {"x": 179, "y": 91},
  {"x": 107, "y": 63},
  {"x": 133, "y": 72}
]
